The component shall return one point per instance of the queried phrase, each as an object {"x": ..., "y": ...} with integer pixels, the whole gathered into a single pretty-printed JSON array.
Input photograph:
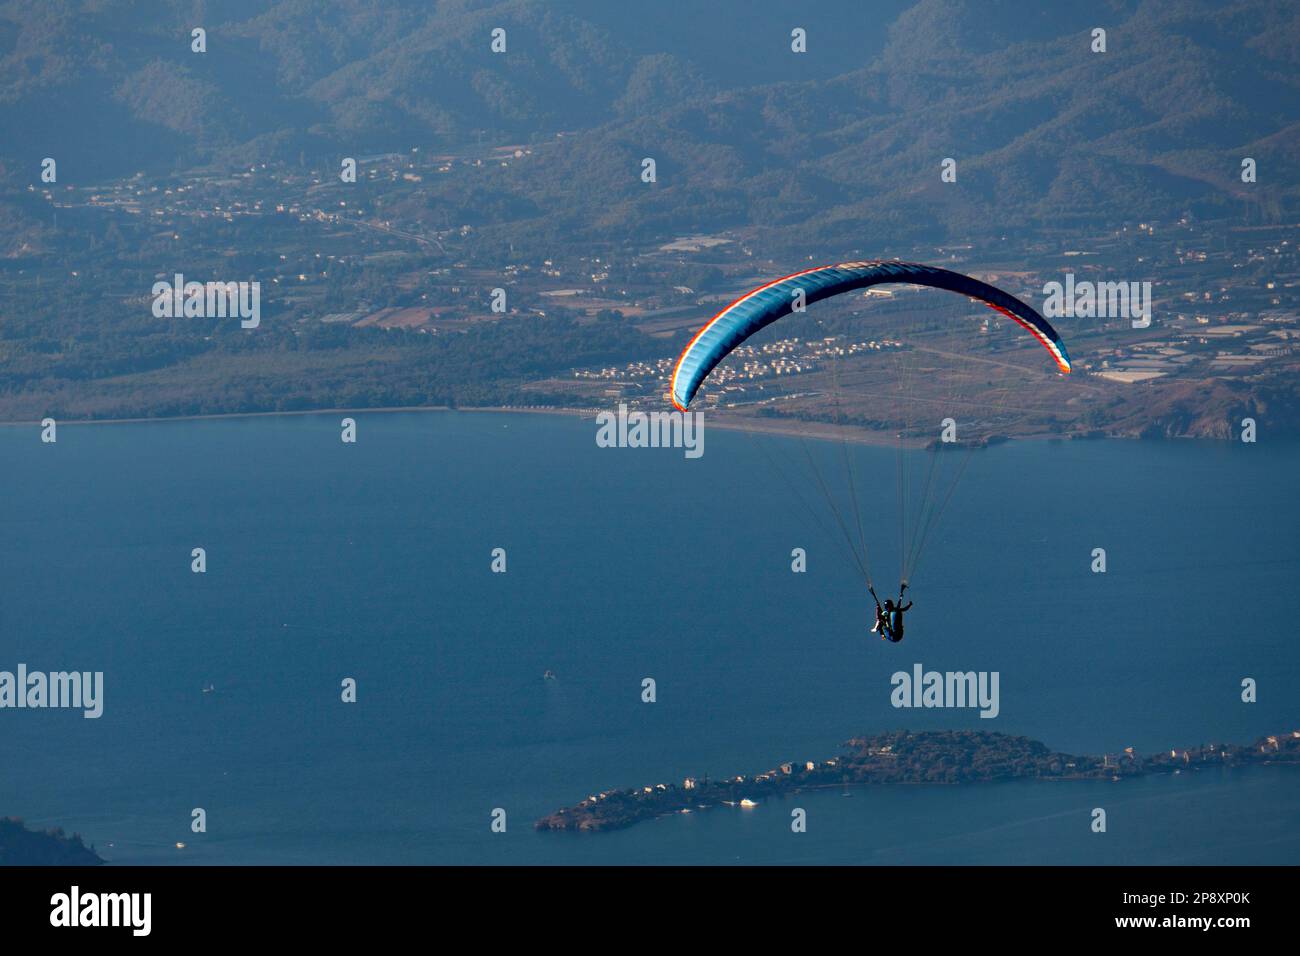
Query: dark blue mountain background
[
  {"x": 744, "y": 131},
  {"x": 522, "y": 170}
]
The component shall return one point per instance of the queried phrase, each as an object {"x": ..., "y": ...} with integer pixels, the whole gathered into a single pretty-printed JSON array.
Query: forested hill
[
  {"x": 744, "y": 130},
  {"x": 522, "y": 170},
  {"x": 20, "y": 846}
]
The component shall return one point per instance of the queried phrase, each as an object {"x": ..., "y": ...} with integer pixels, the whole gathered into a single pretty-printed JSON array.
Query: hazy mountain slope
[
  {"x": 841, "y": 141},
  {"x": 1044, "y": 131}
]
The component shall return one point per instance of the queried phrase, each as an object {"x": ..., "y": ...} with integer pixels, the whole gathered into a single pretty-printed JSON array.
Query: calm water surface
[{"x": 371, "y": 561}]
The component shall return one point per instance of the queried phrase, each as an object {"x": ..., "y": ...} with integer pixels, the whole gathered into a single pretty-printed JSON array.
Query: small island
[
  {"x": 942, "y": 756},
  {"x": 20, "y": 846}
]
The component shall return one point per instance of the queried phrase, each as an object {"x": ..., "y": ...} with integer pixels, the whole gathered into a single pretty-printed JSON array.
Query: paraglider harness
[{"x": 882, "y": 616}]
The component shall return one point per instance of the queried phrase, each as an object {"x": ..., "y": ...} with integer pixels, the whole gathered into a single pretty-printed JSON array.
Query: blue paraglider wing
[{"x": 760, "y": 308}]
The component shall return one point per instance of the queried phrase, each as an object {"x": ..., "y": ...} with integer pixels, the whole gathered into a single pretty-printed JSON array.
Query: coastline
[
  {"x": 784, "y": 428},
  {"x": 900, "y": 757}
]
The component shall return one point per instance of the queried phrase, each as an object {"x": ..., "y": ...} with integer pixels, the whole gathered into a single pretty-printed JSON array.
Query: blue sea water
[{"x": 371, "y": 561}]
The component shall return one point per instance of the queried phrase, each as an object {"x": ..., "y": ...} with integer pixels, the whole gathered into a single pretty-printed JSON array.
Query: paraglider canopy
[{"x": 763, "y": 306}]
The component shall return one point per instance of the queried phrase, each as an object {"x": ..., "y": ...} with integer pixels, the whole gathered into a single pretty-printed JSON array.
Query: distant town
[
  {"x": 371, "y": 257},
  {"x": 935, "y": 757}
]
